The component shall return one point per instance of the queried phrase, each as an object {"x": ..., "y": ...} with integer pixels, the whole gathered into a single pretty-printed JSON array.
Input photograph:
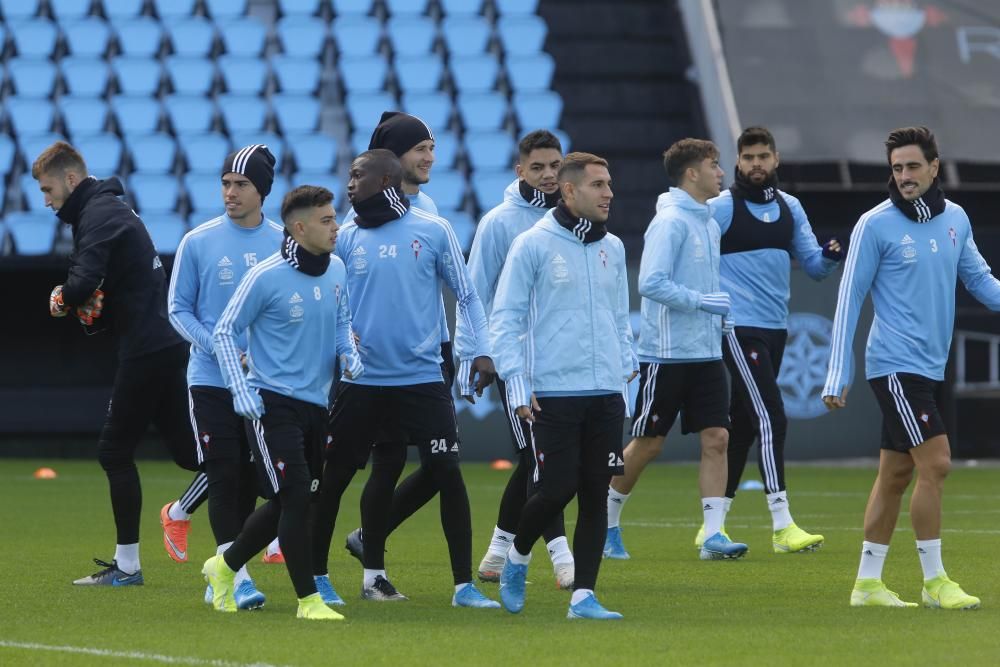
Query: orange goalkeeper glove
[{"x": 91, "y": 308}]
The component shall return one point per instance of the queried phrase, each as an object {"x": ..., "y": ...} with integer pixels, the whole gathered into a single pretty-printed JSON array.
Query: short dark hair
[
  {"x": 574, "y": 164},
  {"x": 538, "y": 139},
  {"x": 912, "y": 136},
  {"x": 59, "y": 157},
  {"x": 755, "y": 135},
  {"x": 687, "y": 153},
  {"x": 385, "y": 163},
  {"x": 304, "y": 196}
]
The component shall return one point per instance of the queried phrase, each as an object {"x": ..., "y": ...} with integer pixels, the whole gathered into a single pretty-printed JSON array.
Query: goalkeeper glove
[
  {"x": 56, "y": 306},
  {"x": 91, "y": 308}
]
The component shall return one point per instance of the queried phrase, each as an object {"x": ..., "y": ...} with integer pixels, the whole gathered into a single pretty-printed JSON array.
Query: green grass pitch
[{"x": 767, "y": 609}]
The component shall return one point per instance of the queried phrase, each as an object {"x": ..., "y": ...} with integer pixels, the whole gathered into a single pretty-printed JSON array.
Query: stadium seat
[
  {"x": 33, "y": 233},
  {"x": 356, "y": 35},
  {"x": 137, "y": 76},
  {"x": 461, "y": 7},
  {"x": 433, "y": 108},
  {"x": 564, "y": 139},
  {"x": 29, "y": 186},
  {"x": 196, "y": 218},
  {"x": 464, "y": 226},
  {"x": 173, "y": 9},
  {"x": 223, "y": 10},
  {"x": 466, "y": 35},
  {"x": 538, "y": 109},
  {"x": 189, "y": 114},
  {"x": 296, "y": 113},
  {"x": 302, "y": 7},
  {"x": 115, "y": 9},
  {"x": 8, "y": 149},
  {"x": 154, "y": 193},
  {"x": 244, "y": 36},
  {"x": 313, "y": 152},
  {"x": 35, "y": 38},
  {"x": 31, "y": 146},
  {"x": 419, "y": 74},
  {"x": 103, "y": 153},
  {"x": 87, "y": 37},
  {"x": 69, "y": 10},
  {"x": 475, "y": 73},
  {"x": 406, "y": 8},
  {"x": 445, "y": 149},
  {"x": 152, "y": 153},
  {"x": 243, "y": 76},
  {"x": 273, "y": 142},
  {"x": 139, "y": 37},
  {"x": 482, "y": 111},
  {"x": 489, "y": 150},
  {"x": 522, "y": 33},
  {"x": 272, "y": 203},
  {"x": 205, "y": 152},
  {"x": 243, "y": 113},
  {"x": 190, "y": 75},
  {"x": 191, "y": 36},
  {"x": 84, "y": 77},
  {"x": 364, "y": 109},
  {"x": 298, "y": 76},
  {"x": 489, "y": 186},
  {"x": 32, "y": 77},
  {"x": 302, "y": 36},
  {"x": 166, "y": 230},
  {"x": 83, "y": 115},
  {"x": 203, "y": 189},
  {"x": 515, "y": 7},
  {"x": 29, "y": 116},
  {"x": 18, "y": 10},
  {"x": 360, "y": 140},
  {"x": 363, "y": 74},
  {"x": 446, "y": 188},
  {"x": 411, "y": 35},
  {"x": 349, "y": 7},
  {"x": 529, "y": 73},
  {"x": 136, "y": 114},
  {"x": 324, "y": 179}
]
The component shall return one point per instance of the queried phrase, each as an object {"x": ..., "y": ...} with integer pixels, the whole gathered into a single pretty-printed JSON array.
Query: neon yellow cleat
[
  {"x": 873, "y": 593},
  {"x": 943, "y": 593},
  {"x": 792, "y": 539},
  {"x": 699, "y": 539},
  {"x": 312, "y": 607},
  {"x": 220, "y": 577}
]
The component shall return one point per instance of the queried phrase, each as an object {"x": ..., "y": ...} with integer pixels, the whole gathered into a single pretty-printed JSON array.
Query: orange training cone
[{"x": 45, "y": 473}]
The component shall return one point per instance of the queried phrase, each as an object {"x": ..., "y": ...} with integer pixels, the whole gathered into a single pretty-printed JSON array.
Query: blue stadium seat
[
  {"x": 273, "y": 142},
  {"x": 466, "y": 35},
  {"x": 489, "y": 150},
  {"x": 446, "y": 188},
  {"x": 166, "y": 230},
  {"x": 406, "y": 8},
  {"x": 515, "y": 7},
  {"x": 363, "y": 74},
  {"x": 8, "y": 149},
  {"x": 475, "y": 73},
  {"x": 488, "y": 187},
  {"x": 482, "y": 111},
  {"x": 243, "y": 76},
  {"x": 29, "y": 187},
  {"x": 32, "y": 77},
  {"x": 433, "y": 108},
  {"x": 445, "y": 149},
  {"x": 272, "y": 203},
  {"x": 174, "y": 9},
  {"x": 35, "y": 38},
  {"x": 154, "y": 193},
  {"x": 243, "y": 113},
  {"x": 302, "y": 7},
  {"x": 296, "y": 113},
  {"x": 564, "y": 139},
  {"x": 464, "y": 226},
  {"x": 190, "y": 75},
  {"x": 87, "y": 37},
  {"x": 531, "y": 72},
  {"x": 103, "y": 153},
  {"x": 302, "y": 36},
  {"x": 139, "y": 37},
  {"x": 115, "y": 9},
  {"x": 83, "y": 116},
  {"x": 522, "y": 33},
  {"x": 299, "y": 76},
  {"x": 324, "y": 179},
  {"x": 29, "y": 116},
  {"x": 34, "y": 232},
  {"x": 189, "y": 114},
  {"x": 461, "y": 7},
  {"x": 196, "y": 218},
  {"x": 206, "y": 152},
  {"x": 313, "y": 152},
  {"x": 136, "y": 114},
  {"x": 419, "y": 74},
  {"x": 364, "y": 109},
  {"x": 192, "y": 36},
  {"x": 31, "y": 146},
  {"x": 349, "y": 7},
  {"x": 85, "y": 77},
  {"x": 137, "y": 76},
  {"x": 244, "y": 36},
  {"x": 223, "y": 10},
  {"x": 18, "y": 10},
  {"x": 69, "y": 10},
  {"x": 356, "y": 35},
  {"x": 411, "y": 36},
  {"x": 360, "y": 140},
  {"x": 203, "y": 189},
  {"x": 539, "y": 109},
  {"x": 152, "y": 153}
]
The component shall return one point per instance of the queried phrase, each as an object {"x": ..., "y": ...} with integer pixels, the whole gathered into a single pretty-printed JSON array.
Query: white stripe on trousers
[
  {"x": 515, "y": 422},
  {"x": 648, "y": 393},
  {"x": 763, "y": 417},
  {"x": 535, "y": 476},
  {"x": 194, "y": 428},
  {"x": 272, "y": 476},
  {"x": 195, "y": 491},
  {"x": 905, "y": 411}
]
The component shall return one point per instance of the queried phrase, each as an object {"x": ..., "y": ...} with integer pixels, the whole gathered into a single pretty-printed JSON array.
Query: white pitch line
[
  {"x": 130, "y": 655},
  {"x": 746, "y": 526}
]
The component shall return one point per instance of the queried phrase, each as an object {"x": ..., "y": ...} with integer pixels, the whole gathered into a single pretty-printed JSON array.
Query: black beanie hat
[
  {"x": 256, "y": 163},
  {"x": 399, "y": 132}
]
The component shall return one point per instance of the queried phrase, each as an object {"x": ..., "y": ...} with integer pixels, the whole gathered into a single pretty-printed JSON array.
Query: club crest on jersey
[
  {"x": 604, "y": 257},
  {"x": 415, "y": 247},
  {"x": 909, "y": 254},
  {"x": 226, "y": 276}
]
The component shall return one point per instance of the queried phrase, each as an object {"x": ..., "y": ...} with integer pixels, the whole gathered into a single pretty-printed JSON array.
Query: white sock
[
  {"x": 127, "y": 557},
  {"x": 242, "y": 574},
  {"x": 714, "y": 511},
  {"x": 778, "y": 504},
  {"x": 930, "y": 557},
  {"x": 727, "y": 504},
  {"x": 872, "y": 559},
  {"x": 579, "y": 595},
  {"x": 273, "y": 547},
  {"x": 501, "y": 542},
  {"x": 459, "y": 587},
  {"x": 559, "y": 551},
  {"x": 370, "y": 576},
  {"x": 616, "y": 502},
  {"x": 517, "y": 557},
  {"x": 176, "y": 513}
]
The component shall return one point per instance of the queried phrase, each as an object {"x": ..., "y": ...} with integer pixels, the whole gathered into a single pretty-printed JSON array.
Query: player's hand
[
  {"x": 56, "y": 306},
  {"x": 728, "y": 324},
  {"x": 717, "y": 303},
  {"x": 528, "y": 414},
  {"x": 353, "y": 368},
  {"x": 91, "y": 308},
  {"x": 834, "y": 402},
  {"x": 481, "y": 376},
  {"x": 244, "y": 364},
  {"x": 248, "y": 404},
  {"x": 631, "y": 377},
  {"x": 833, "y": 249}
]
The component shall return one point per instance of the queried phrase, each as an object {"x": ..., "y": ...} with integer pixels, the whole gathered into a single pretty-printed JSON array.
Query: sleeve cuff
[
  {"x": 464, "y": 386},
  {"x": 518, "y": 391}
]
